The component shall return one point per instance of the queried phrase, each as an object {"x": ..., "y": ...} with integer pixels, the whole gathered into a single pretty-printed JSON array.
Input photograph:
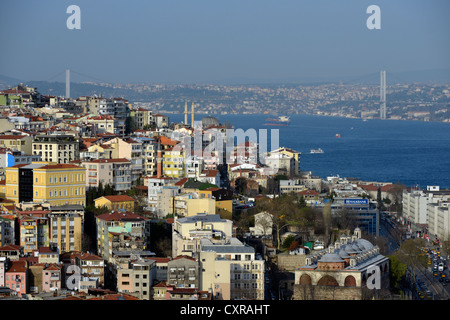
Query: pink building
[
  {"x": 16, "y": 277},
  {"x": 51, "y": 278}
]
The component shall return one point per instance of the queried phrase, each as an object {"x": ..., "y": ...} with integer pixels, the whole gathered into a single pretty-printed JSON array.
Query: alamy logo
[
  {"x": 73, "y": 281},
  {"x": 74, "y": 20},
  {"x": 374, "y": 21},
  {"x": 374, "y": 278}
]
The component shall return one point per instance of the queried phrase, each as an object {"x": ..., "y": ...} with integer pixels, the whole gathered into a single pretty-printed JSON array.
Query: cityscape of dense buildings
[{"x": 103, "y": 197}]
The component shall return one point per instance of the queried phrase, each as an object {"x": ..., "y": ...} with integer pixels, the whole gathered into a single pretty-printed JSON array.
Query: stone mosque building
[{"x": 342, "y": 271}]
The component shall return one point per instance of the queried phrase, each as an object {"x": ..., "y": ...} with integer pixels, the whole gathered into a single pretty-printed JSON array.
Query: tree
[
  {"x": 286, "y": 211},
  {"x": 240, "y": 185},
  {"x": 287, "y": 243},
  {"x": 397, "y": 194},
  {"x": 397, "y": 271}
]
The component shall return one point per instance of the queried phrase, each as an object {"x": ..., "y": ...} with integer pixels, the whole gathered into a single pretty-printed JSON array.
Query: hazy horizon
[{"x": 200, "y": 41}]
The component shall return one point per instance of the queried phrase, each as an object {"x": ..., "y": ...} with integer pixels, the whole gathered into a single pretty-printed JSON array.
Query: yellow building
[
  {"x": 115, "y": 203},
  {"x": 223, "y": 201},
  {"x": 66, "y": 231},
  {"x": 57, "y": 184},
  {"x": 19, "y": 142},
  {"x": 289, "y": 154},
  {"x": 173, "y": 163}
]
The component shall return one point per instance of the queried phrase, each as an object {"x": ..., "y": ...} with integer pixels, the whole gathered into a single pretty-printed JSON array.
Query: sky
[{"x": 219, "y": 41}]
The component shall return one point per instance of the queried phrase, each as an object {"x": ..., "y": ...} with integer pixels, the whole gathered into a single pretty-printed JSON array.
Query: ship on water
[
  {"x": 319, "y": 150},
  {"x": 280, "y": 121}
]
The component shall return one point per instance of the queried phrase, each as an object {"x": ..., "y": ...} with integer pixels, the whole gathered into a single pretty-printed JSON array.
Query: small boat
[
  {"x": 338, "y": 135},
  {"x": 316, "y": 150}
]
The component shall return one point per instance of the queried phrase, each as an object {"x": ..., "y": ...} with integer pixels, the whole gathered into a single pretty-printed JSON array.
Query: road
[{"x": 422, "y": 279}]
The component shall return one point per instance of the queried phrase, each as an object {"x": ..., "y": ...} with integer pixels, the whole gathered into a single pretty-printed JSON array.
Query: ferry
[
  {"x": 316, "y": 150},
  {"x": 280, "y": 119}
]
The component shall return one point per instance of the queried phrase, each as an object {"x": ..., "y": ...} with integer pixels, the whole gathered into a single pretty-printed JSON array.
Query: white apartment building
[
  {"x": 415, "y": 202},
  {"x": 439, "y": 219},
  {"x": 230, "y": 270},
  {"x": 188, "y": 231}
]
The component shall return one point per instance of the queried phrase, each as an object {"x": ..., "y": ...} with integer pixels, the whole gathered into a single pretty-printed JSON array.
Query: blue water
[{"x": 408, "y": 152}]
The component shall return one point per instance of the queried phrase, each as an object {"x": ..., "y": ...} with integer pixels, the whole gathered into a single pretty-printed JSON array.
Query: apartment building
[
  {"x": 7, "y": 233},
  {"x": 149, "y": 150},
  {"x": 10, "y": 158},
  {"x": 230, "y": 270},
  {"x": 106, "y": 123},
  {"x": 33, "y": 232},
  {"x": 16, "y": 277},
  {"x": 120, "y": 222},
  {"x": 183, "y": 272},
  {"x": 56, "y": 184},
  {"x": 155, "y": 186},
  {"x": 17, "y": 142},
  {"x": 188, "y": 231},
  {"x": 56, "y": 148},
  {"x": 52, "y": 277},
  {"x": 66, "y": 230},
  {"x": 174, "y": 163},
  {"x": 439, "y": 219},
  {"x": 136, "y": 277},
  {"x": 115, "y": 172},
  {"x": 285, "y": 160},
  {"x": 130, "y": 149},
  {"x": 92, "y": 269},
  {"x": 415, "y": 202},
  {"x": 116, "y": 203},
  {"x": 142, "y": 117}
]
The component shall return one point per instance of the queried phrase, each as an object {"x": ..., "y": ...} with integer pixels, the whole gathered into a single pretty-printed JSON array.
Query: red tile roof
[
  {"x": 10, "y": 247},
  {"x": 18, "y": 266},
  {"x": 11, "y": 137},
  {"x": 60, "y": 166},
  {"x": 118, "y": 198}
]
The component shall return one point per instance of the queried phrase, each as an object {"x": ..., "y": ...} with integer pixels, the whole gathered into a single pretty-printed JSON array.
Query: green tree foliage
[
  {"x": 286, "y": 211},
  {"x": 397, "y": 271}
]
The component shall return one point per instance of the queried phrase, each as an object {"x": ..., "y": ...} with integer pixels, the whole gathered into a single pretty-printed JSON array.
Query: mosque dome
[
  {"x": 331, "y": 257},
  {"x": 210, "y": 122},
  {"x": 365, "y": 243},
  {"x": 343, "y": 254}
]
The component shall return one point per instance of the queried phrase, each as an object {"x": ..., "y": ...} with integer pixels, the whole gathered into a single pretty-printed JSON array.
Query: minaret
[
  {"x": 185, "y": 113},
  {"x": 67, "y": 84},
  {"x": 192, "y": 115}
]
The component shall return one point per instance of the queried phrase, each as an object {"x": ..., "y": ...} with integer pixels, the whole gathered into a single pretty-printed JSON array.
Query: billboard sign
[{"x": 356, "y": 201}]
